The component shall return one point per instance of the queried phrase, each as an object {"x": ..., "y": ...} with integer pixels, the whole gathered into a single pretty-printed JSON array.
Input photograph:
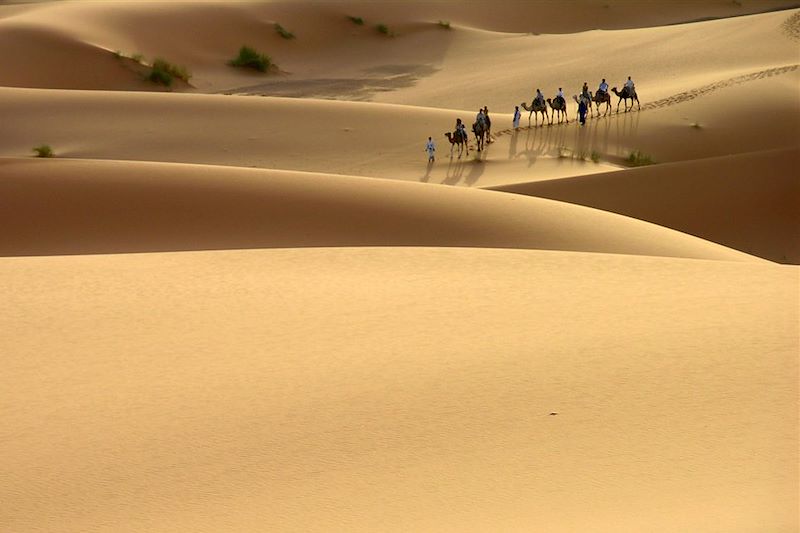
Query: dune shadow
[{"x": 376, "y": 80}]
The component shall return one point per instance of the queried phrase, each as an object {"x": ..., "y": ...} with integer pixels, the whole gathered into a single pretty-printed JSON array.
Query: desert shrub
[
  {"x": 283, "y": 32},
  {"x": 382, "y": 28},
  {"x": 595, "y": 156},
  {"x": 356, "y": 20},
  {"x": 638, "y": 159},
  {"x": 444, "y": 24},
  {"x": 44, "y": 150},
  {"x": 249, "y": 58},
  {"x": 139, "y": 58},
  {"x": 164, "y": 72}
]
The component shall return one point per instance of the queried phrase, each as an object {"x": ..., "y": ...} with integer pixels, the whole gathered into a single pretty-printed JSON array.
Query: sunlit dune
[{"x": 238, "y": 293}]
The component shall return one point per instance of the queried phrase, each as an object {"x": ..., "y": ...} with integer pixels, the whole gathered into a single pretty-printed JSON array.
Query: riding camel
[
  {"x": 625, "y": 94},
  {"x": 537, "y": 106},
  {"x": 601, "y": 98},
  {"x": 480, "y": 128},
  {"x": 456, "y": 138},
  {"x": 558, "y": 106}
]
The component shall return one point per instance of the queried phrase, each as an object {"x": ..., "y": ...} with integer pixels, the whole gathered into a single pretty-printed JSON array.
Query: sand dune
[
  {"x": 351, "y": 138},
  {"x": 326, "y": 335},
  {"x": 72, "y": 207},
  {"x": 428, "y": 61},
  {"x": 253, "y": 390},
  {"x": 749, "y": 202}
]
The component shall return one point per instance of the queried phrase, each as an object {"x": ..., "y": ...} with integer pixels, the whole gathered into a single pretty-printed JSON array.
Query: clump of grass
[
  {"x": 139, "y": 58},
  {"x": 356, "y": 20},
  {"x": 595, "y": 156},
  {"x": 164, "y": 72},
  {"x": 383, "y": 28},
  {"x": 564, "y": 153},
  {"x": 444, "y": 24},
  {"x": 44, "y": 150},
  {"x": 249, "y": 58},
  {"x": 283, "y": 32},
  {"x": 638, "y": 159}
]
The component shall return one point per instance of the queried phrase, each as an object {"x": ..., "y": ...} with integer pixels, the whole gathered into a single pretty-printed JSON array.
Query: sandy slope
[
  {"x": 67, "y": 207},
  {"x": 352, "y": 138},
  {"x": 750, "y": 202},
  {"x": 406, "y": 383},
  {"x": 379, "y": 140},
  {"x": 204, "y": 35},
  {"x": 741, "y": 92},
  {"x": 397, "y": 389}
]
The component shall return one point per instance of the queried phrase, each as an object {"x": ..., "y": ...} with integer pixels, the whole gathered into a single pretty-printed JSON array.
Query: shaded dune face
[
  {"x": 63, "y": 207},
  {"x": 249, "y": 302},
  {"x": 748, "y": 202}
]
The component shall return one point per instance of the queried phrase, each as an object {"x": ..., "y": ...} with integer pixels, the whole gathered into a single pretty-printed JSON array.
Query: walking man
[{"x": 430, "y": 147}]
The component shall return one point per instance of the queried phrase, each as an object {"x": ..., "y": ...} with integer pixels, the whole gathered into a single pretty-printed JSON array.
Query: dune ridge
[{"x": 79, "y": 207}]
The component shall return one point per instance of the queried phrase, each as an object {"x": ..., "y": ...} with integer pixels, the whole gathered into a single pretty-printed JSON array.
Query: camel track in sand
[
  {"x": 698, "y": 92},
  {"x": 706, "y": 89}
]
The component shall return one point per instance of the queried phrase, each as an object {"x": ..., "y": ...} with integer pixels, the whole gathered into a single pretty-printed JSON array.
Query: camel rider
[
  {"x": 585, "y": 92},
  {"x": 539, "y": 97},
  {"x": 560, "y": 96},
  {"x": 603, "y": 88},
  {"x": 480, "y": 118},
  {"x": 461, "y": 130},
  {"x": 629, "y": 85}
]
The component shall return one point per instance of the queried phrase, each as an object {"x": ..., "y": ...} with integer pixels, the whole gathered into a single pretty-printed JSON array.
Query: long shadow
[
  {"x": 455, "y": 171},
  {"x": 427, "y": 177}
]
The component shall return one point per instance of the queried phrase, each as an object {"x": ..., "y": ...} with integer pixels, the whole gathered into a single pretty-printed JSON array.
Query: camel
[
  {"x": 624, "y": 95},
  {"x": 456, "y": 139},
  {"x": 480, "y": 129},
  {"x": 601, "y": 98},
  {"x": 558, "y": 107},
  {"x": 536, "y": 107}
]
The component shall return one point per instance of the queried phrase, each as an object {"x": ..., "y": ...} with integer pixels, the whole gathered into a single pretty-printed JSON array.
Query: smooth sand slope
[
  {"x": 397, "y": 389},
  {"x": 750, "y": 202},
  {"x": 68, "y": 207},
  {"x": 324, "y": 336},
  {"x": 204, "y": 35}
]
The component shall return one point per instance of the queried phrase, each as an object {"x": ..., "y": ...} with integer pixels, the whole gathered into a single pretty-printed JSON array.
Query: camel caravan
[
  {"x": 558, "y": 105},
  {"x": 481, "y": 128}
]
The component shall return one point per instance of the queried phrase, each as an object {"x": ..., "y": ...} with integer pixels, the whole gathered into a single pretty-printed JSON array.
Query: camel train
[
  {"x": 559, "y": 106},
  {"x": 481, "y": 128}
]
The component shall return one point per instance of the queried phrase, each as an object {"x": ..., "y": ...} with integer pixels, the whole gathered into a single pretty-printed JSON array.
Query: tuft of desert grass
[
  {"x": 44, "y": 150},
  {"x": 250, "y": 58}
]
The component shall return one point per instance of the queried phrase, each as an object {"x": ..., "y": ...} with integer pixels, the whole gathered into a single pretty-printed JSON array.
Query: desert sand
[{"x": 247, "y": 301}]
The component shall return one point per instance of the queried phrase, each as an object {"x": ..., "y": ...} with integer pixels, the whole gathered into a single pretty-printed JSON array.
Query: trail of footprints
[{"x": 706, "y": 89}]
